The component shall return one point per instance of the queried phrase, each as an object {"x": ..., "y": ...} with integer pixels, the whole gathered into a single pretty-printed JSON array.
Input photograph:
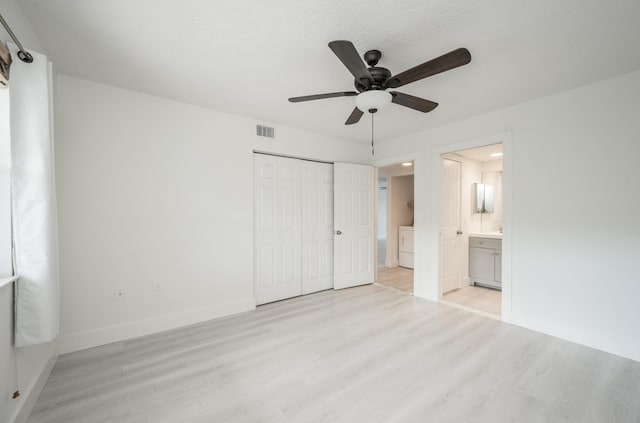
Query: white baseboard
[
  {"x": 33, "y": 392},
  {"x": 611, "y": 344},
  {"x": 89, "y": 339},
  {"x": 391, "y": 263}
]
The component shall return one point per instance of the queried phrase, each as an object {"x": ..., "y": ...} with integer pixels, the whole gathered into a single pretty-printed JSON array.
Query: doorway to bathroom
[
  {"x": 395, "y": 258},
  {"x": 471, "y": 220}
]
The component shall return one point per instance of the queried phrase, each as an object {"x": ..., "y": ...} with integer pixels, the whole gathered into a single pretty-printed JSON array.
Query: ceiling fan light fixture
[
  {"x": 373, "y": 100},
  {"x": 373, "y": 81}
]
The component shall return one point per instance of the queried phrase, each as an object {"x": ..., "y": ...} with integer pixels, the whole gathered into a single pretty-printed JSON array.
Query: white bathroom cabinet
[{"x": 485, "y": 262}]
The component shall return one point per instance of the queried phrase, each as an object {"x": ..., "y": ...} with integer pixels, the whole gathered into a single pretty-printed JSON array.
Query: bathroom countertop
[{"x": 493, "y": 235}]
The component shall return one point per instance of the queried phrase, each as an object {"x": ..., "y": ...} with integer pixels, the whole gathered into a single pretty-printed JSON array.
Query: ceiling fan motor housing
[{"x": 379, "y": 75}]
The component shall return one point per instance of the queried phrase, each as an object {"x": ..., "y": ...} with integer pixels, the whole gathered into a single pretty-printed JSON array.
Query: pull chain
[{"x": 372, "y": 150}]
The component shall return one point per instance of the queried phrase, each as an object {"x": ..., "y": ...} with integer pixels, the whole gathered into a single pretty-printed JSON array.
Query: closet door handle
[{"x": 338, "y": 232}]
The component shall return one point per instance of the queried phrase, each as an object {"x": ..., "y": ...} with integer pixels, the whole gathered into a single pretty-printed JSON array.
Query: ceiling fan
[{"x": 372, "y": 83}]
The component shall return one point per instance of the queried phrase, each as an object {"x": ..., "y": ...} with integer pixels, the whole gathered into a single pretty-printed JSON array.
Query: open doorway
[
  {"x": 395, "y": 259},
  {"x": 471, "y": 210}
]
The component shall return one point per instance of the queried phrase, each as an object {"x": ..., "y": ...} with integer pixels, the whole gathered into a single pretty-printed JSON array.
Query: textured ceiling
[{"x": 248, "y": 57}]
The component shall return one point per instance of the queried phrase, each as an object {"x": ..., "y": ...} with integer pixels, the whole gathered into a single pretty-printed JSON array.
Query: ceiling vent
[{"x": 265, "y": 131}]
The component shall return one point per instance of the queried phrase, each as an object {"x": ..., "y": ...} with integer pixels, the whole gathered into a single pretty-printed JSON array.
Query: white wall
[
  {"x": 574, "y": 165},
  {"x": 382, "y": 210},
  {"x": 17, "y": 20},
  {"x": 471, "y": 222},
  {"x": 492, "y": 222},
  {"x": 492, "y": 175},
  {"x": 153, "y": 191},
  {"x": 491, "y": 165},
  {"x": 399, "y": 194},
  {"x": 33, "y": 363}
]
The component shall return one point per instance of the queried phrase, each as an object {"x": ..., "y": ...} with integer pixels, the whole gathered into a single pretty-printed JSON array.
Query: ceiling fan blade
[
  {"x": 354, "y": 117},
  {"x": 349, "y": 56},
  {"x": 321, "y": 96},
  {"x": 412, "y": 102},
  {"x": 446, "y": 62}
]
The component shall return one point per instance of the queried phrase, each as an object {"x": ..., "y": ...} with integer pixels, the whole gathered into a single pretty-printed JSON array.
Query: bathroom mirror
[{"x": 483, "y": 201}]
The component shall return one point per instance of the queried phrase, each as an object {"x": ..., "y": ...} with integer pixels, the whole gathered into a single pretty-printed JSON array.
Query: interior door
[
  {"x": 354, "y": 238},
  {"x": 277, "y": 228},
  {"x": 450, "y": 232},
  {"x": 317, "y": 226}
]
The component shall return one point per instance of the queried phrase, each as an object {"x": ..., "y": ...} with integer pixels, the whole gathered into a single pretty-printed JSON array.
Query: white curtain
[{"x": 33, "y": 200}]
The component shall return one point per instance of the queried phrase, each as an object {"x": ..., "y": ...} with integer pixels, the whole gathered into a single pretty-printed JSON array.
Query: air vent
[{"x": 265, "y": 131}]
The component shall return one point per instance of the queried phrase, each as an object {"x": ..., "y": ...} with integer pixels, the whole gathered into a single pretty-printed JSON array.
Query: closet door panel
[
  {"x": 277, "y": 249},
  {"x": 317, "y": 226}
]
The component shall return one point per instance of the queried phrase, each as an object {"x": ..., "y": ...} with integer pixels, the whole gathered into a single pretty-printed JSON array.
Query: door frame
[
  {"x": 434, "y": 290},
  {"x": 410, "y": 157}
]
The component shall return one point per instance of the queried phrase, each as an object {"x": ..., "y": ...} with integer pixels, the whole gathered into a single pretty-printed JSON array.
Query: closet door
[
  {"x": 317, "y": 226},
  {"x": 277, "y": 252}
]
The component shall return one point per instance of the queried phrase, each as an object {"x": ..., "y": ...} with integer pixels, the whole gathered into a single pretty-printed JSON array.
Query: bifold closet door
[
  {"x": 317, "y": 226},
  {"x": 277, "y": 212}
]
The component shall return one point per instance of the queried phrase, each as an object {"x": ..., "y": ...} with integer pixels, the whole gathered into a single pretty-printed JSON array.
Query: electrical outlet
[
  {"x": 118, "y": 295},
  {"x": 156, "y": 289}
]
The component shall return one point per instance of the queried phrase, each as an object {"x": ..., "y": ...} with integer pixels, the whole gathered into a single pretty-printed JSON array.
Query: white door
[
  {"x": 317, "y": 226},
  {"x": 450, "y": 226},
  {"x": 277, "y": 228},
  {"x": 353, "y": 245}
]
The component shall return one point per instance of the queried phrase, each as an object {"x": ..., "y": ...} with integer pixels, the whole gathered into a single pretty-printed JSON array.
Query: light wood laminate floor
[
  {"x": 477, "y": 298},
  {"x": 399, "y": 278},
  {"x": 366, "y": 354}
]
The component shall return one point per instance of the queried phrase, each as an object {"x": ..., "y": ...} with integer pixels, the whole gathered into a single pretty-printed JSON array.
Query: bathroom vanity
[{"x": 485, "y": 260}]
